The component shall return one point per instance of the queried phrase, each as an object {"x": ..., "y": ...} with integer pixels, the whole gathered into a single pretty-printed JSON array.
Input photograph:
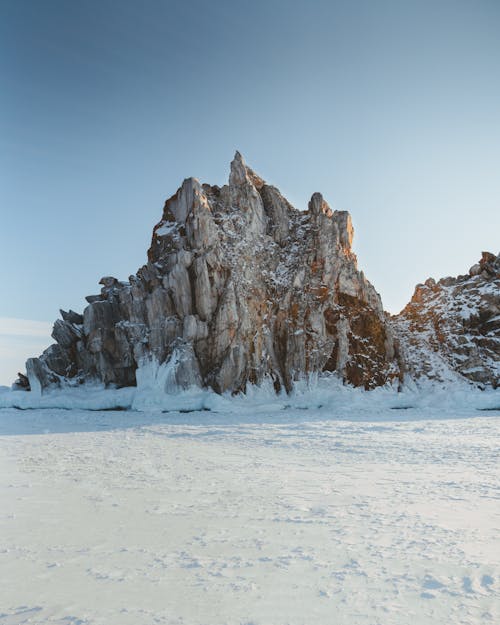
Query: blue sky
[{"x": 391, "y": 109}]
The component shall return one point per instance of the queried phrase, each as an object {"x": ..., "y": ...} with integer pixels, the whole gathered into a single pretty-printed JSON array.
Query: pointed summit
[
  {"x": 238, "y": 173},
  {"x": 241, "y": 173}
]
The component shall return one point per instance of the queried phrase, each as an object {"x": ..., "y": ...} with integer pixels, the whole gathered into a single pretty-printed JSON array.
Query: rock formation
[
  {"x": 451, "y": 328},
  {"x": 239, "y": 286}
]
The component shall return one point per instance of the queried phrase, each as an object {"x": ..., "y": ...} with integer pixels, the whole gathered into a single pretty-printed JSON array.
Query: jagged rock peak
[
  {"x": 239, "y": 286},
  {"x": 241, "y": 173},
  {"x": 318, "y": 205}
]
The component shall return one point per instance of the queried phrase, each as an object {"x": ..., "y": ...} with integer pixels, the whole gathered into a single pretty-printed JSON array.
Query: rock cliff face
[
  {"x": 239, "y": 286},
  {"x": 451, "y": 328}
]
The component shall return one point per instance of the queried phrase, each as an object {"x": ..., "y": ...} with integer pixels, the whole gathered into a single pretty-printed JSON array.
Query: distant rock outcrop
[
  {"x": 239, "y": 286},
  {"x": 451, "y": 328}
]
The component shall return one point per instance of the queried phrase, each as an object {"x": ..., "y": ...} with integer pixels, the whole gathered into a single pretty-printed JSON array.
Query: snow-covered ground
[{"x": 383, "y": 511}]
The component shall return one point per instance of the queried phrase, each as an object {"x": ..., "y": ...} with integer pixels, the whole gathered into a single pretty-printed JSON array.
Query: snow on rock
[{"x": 451, "y": 328}]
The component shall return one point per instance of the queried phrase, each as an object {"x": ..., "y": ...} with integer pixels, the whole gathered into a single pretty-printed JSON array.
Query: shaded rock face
[
  {"x": 451, "y": 328},
  {"x": 239, "y": 286}
]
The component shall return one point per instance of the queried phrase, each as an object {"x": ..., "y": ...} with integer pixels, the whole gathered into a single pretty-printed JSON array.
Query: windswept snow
[{"x": 253, "y": 513}]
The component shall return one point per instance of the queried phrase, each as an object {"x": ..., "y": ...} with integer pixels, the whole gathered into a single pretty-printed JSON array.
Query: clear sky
[{"x": 390, "y": 108}]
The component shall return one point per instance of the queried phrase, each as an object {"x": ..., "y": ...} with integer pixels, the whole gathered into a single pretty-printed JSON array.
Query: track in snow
[{"x": 119, "y": 518}]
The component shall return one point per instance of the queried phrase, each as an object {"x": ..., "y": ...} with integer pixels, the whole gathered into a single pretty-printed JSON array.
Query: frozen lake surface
[{"x": 295, "y": 517}]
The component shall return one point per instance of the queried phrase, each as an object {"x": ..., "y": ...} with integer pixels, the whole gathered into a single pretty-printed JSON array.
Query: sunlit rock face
[
  {"x": 239, "y": 286},
  {"x": 451, "y": 328}
]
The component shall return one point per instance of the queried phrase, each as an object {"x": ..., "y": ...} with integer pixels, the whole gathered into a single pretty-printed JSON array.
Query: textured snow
[{"x": 330, "y": 506}]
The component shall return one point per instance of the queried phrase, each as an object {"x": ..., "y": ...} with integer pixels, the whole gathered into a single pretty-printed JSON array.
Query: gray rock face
[
  {"x": 239, "y": 286},
  {"x": 451, "y": 328}
]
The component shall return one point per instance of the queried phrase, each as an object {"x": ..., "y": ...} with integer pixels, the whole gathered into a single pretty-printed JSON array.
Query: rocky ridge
[
  {"x": 450, "y": 329},
  {"x": 240, "y": 287}
]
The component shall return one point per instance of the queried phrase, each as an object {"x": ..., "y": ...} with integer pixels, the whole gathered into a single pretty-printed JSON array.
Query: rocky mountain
[
  {"x": 240, "y": 287},
  {"x": 451, "y": 328}
]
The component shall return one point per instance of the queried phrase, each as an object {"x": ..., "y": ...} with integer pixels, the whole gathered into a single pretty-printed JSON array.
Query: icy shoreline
[{"x": 326, "y": 395}]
